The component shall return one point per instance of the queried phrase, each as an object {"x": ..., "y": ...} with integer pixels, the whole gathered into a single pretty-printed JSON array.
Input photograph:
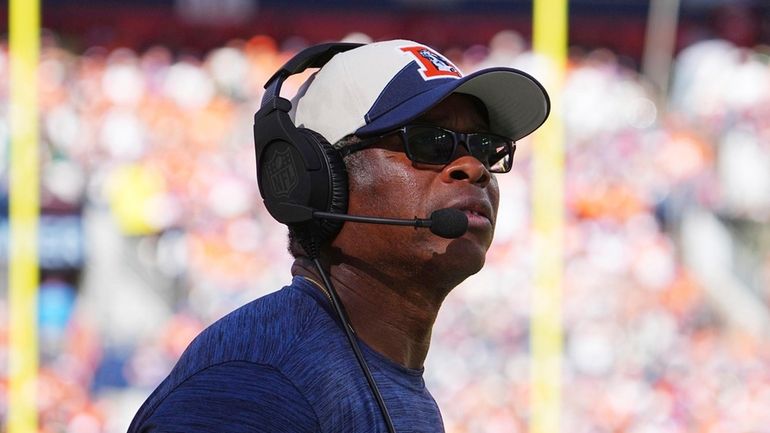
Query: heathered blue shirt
[{"x": 282, "y": 364}]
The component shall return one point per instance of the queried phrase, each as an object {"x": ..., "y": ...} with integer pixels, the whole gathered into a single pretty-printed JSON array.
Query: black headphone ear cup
[{"x": 338, "y": 185}]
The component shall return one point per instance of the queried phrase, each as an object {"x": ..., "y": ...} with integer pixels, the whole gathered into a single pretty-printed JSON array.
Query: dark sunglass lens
[
  {"x": 502, "y": 160},
  {"x": 429, "y": 145},
  {"x": 493, "y": 151}
]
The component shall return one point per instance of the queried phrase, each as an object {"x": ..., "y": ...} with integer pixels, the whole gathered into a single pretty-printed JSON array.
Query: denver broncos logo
[{"x": 432, "y": 64}]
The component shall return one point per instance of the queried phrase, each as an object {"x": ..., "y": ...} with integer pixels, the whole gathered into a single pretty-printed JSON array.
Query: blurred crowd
[{"x": 148, "y": 165}]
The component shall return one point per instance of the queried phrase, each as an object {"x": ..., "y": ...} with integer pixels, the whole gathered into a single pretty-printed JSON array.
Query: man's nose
[{"x": 469, "y": 169}]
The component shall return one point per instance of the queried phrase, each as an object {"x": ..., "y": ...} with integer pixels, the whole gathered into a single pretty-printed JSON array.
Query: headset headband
[{"x": 311, "y": 57}]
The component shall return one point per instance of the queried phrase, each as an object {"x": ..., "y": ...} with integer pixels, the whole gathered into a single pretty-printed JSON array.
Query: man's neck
[{"x": 394, "y": 317}]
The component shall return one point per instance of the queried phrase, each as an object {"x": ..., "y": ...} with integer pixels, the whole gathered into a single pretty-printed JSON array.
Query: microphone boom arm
[{"x": 416, "y": 222}]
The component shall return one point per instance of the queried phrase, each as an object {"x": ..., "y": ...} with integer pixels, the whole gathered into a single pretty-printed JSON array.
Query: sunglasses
[{"x": 429, "y": 144}]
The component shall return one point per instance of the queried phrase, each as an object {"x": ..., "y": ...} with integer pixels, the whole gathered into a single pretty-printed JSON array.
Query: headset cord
[{"x": 350, "y": 334}]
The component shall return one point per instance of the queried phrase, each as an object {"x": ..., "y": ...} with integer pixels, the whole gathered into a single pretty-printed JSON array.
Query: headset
[
  {"x": 298, "y": 171},
  {"x": 300, "y": 174},
  {"x": 302, "y": 178}
]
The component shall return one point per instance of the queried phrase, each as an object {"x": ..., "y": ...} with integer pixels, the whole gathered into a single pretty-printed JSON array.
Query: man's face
[{"x": 384, "y": 182}]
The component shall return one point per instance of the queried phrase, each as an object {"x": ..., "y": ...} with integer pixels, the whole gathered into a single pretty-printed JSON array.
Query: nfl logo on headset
[{"x": 281, "y": 172}]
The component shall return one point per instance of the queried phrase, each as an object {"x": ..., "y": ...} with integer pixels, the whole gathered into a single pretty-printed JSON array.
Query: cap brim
[{"x": 517, "y": 103}]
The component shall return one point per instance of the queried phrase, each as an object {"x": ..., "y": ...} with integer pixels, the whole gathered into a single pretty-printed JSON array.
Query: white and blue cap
[{"x": 382, "y": 86}]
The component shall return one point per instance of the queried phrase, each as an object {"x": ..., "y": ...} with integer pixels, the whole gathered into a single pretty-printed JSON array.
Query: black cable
[{"x": 350, "y": 334}]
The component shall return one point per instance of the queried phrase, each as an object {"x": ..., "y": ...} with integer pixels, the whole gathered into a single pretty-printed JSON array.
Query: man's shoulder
[
  {"x": 260, "y": 331},
  {"x": 234, "y": 396},
  {"x": 256, "y": 338}
]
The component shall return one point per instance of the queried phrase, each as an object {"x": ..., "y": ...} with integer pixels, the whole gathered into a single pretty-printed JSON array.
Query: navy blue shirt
[{"x": 282, "y": 364}]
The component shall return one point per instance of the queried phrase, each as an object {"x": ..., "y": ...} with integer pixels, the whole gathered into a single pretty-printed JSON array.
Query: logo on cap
[{"x": 433, "y": 65}]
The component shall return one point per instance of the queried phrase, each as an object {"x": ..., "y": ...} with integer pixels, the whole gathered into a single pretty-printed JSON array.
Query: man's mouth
[
  {"x": 479, "y": 213},
  {"x": 476, "y": 219}
]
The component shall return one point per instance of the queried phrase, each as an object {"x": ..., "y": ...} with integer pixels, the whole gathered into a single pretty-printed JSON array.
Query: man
[{"x": 417, "y": 136}]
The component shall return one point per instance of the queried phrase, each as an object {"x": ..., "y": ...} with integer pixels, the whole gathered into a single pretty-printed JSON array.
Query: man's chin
[{"x": 461, "y": 259}]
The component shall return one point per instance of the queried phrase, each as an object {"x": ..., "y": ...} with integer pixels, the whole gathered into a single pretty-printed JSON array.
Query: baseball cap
[{"x": 382, "y": 86}]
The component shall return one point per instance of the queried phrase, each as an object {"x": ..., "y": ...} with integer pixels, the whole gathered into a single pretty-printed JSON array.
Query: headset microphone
[{"x": 448, "y": 223}]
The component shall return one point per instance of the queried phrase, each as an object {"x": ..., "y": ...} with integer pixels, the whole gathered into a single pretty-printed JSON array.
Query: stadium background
[{"x": 151, "y": 224}]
